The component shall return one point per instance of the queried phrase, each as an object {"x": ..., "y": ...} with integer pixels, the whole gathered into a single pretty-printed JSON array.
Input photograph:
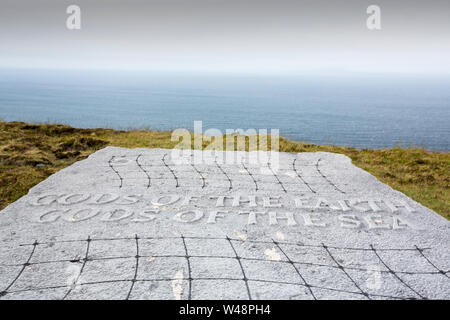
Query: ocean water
[{"x": 351, "y": 110}]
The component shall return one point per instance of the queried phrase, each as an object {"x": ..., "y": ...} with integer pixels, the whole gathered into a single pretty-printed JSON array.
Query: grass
[{"x": 29, "y": 153}]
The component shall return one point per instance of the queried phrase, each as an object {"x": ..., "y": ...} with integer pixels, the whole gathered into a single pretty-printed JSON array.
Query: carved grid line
[
  {"x": 226, "y": 279},
  {"x": 346, "y": 273},
  {"x": 26, "y": 264},
  {"x": 223, "y": 171},
  {"x": 170, "y": 169},
  {"x": 226, "y": 175},
  {"x": 135, "y": 269},
  {"x": 361, "y": 292},
  {"x": 199, "y": 173},
  {"x": 278, "y": 179},
  {"x": 232, "y": 239},
  {"x": 296, "y": 269},
  {"x": 143, "y": 170},
  {"x": 85, "y": 260},
  {"x": 325, "y": 177},
  {"x": 249, "y": 173},
  {"x": 300, "y": 177},
  {"x": 242, "y": 268},
  {"x": 431, "y": 263},
  {"x": 219, "y": 256},
  {"x": 189, "y": 268},
  {"x": 395, "y": 274},
  {"x": 115, "y": 171}
]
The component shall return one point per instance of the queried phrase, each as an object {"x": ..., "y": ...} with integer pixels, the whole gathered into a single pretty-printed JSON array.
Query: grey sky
[{"x": 228, "y": 35}]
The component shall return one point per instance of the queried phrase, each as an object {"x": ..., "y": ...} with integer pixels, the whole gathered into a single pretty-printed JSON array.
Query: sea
[{"x": 352, "y": 109}]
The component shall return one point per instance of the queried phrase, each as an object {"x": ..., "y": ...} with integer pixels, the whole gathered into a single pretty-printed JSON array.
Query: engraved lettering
[
  {"x": 395, "y": 207},
  {"x": 172, "y": 199},
  {"x": 131, "y": 199},
  {"x": 53, "y": 214},
  {"x": 78, "y": 216},
  {"x": 251, "y": 216},
  {"x": 116, "y": 215},
  {"x": 220, "y": 200},
  {"x": 272, "y": 202},
  {"x": 349, "y": 221},
  {"x": 376, "y": 222},
  {"x": 188, "y": 199},
  {"x": 322, "y": 204},
  {"x": 40, "y": 201},
  {"x": 147, "y": 215},
  {"x": 184, "y": 216},
  {"x": 313, "y": 221},
  {"x": 214, "y": 215},
  {"x": 251, "y": 201},
  {"x": 400, "y": 223},
  {"x": 104, "y": 198},
  {"x": 73, "y": 198},
  {"x": 288, "y": 216}
]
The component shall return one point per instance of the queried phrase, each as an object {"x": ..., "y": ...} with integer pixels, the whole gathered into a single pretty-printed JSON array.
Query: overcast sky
[{"x": 228, "y": 35}]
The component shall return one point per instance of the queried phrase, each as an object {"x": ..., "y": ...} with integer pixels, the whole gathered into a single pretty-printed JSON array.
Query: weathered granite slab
[{"x": 151, "y": 224}]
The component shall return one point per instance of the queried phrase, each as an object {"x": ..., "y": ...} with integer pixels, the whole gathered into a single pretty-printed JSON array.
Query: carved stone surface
[{"x": 167, "y": 224}]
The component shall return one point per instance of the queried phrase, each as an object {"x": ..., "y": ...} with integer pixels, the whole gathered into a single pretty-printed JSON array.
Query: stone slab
[{"x": 159, "y": 224}]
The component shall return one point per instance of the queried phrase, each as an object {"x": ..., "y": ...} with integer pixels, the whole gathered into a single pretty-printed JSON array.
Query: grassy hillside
[{"x": 29, "y": 153}]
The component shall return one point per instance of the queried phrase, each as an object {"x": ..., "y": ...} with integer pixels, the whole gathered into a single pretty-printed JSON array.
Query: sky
[{"x": 248, "y": 36}]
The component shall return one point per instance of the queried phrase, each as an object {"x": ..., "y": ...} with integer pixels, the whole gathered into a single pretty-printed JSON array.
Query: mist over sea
[{"x": 350, "y": 110}]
